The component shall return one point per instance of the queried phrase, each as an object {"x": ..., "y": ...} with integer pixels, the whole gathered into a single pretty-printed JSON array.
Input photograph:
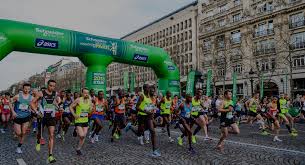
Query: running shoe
[
  {"x": 42, "y": 141},
  {"x": 156, "y": 153},
  {"x": 37, "y": 147},
  {"x": 180, "y": 141},
  {"x": 51, "y": 159},
  {"x": 18, "y": 150},
  {"x": 128, "y": 127},
  {"x": 276, "y": 139},
  {"x": 194, "y": 139}
]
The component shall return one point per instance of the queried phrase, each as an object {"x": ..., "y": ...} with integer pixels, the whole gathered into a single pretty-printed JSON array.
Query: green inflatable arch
[{"x": 95, "y": 52}]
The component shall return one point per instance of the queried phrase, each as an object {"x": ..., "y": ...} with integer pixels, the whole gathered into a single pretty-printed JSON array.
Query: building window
[
  {"x": 190, "y": 34},
  {"x": 235, "y": 37},
  {"x": 190, "y": 22},
  {"x": 174, "y": 28},
  {"x": 223, "y": 8},
  {"x": 267, "y": 7},
  {"x": 238, "y": 68},
  {"x": 181, "y": 26},
  {"x": 299, "y": 61},
  {"x": 207, "y": 44},
  {"x": 236, "y": 2},
  {"x": 263, "y": 29},
  {"x": 296, "y": 20},
  {"x": 209, "y": 13},
  {"x": 221, "y": 41},
  {"x": 190, "y": 57},
  {"x": 185, "y": 35},
  {"x": 190, "y": 45},
  {"x": 236, "y": 17},
  {"x": 221, "y": 22},
  {"x": 209, "y": 28},
  {"x": 265, "y": 47},
  {"x": 298, "y": 40},
  {"x": 178, "y": 28},
  {"x": 185, "y": 24}
]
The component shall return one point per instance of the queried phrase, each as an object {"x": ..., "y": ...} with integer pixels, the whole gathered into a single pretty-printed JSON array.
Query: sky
[{"x": 109, "y": 18}]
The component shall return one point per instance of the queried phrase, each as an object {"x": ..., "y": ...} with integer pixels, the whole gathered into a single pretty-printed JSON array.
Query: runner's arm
[
  {"x": 73, "y": 106},
  {"x": 141, "y": 98}
]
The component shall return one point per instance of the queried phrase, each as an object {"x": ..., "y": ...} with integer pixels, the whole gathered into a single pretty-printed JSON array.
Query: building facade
[
  {"x": 258, "y": 40},
  {"x": 176, "y": 33}
]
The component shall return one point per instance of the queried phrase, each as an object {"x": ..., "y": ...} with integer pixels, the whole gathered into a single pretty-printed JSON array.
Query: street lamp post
[
  {"x": 246, "y": 85},
  {"x": 251, "y": 73}
]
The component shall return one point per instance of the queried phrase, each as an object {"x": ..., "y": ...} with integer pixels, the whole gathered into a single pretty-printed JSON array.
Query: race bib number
[
  {"x": 263, "y": 110},
  {"x": 99, "y": 109},
  {"x": 229, "y": 115},
  {"x": 196, "y": 109},
  {"x": 188, "y": 114},
  {"x": 121, "y": 107},
  {"x": 149, "y": 108},
  {"x": 7, "y": 107},
  {"x": 23, "y": 107},
  {"x": 168, "y": 106},
  {"x": 84, "y": 114},
  {"x": 67, "y": 109},
  {"x": 49, "y": 108}
]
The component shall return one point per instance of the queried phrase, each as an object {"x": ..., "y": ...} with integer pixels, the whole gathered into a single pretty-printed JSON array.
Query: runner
[
  {"x": 272, "y": 116},
  {"x": 6, "y": 111},
  {"x": 99, "y": 109},
  {"x": 83, "y": 106},
  {"x": 186, "y": 120},
  {"x": 226, "y": 119},
  {"x": 197, "y": 113},
  {"x": 166, "y": 106},
  {"x": 58, "y": 114},
  {"x": 21, "y": 113},
  {"x": 254, "y": 113},
  {"x": 288, "y": 119},
  {"x": 48, "y": 104},
  {"x": 119, "y": 115},
  {"x": 146, "y": 112},
  {"x": 67, "y": 116}
]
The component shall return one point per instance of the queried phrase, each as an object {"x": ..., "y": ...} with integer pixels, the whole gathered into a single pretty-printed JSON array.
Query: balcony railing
[
  {"x": 263, "y": 33},
  {"x": 297, "y": 24},
  {"x": 298, "y": 45},
  {"x": 264, "y": 51}
]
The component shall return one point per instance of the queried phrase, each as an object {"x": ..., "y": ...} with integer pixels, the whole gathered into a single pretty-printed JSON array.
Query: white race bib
[
  {"x": 99, "y": 108},
  {"x": 229, "y": 115},
  {"x": 67, "y": 109},
  {"x": 84, "y": 114},
  {"x": 121, "y": 107},
  {"x": 7, "y": 106},
  {"x": 149, "y": 108},
  {"x": 168, "y": 106},
  {"x": 23, "y": 107},
  {"x": 49, "y": 108},
  {"x": 188, "y": 114}
]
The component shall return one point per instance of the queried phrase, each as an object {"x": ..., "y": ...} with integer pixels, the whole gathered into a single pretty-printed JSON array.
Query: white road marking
[
  {"x": 252, "y": 145},
  {"x": 21, "y": 161}
]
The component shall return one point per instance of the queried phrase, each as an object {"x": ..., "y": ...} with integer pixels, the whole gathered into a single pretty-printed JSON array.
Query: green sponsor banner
[
  {"x": 190, "y": 83},
  {"x": 132, "y": 81},
  {"x": 95, "y": 44},
  {"x": 261, "y": 90},
  {"x": 234, "y": 88},
  {"x": 209, "y": 80},
  {"x": 98, "y": 78},
  {"x": 125, "y": 79}
]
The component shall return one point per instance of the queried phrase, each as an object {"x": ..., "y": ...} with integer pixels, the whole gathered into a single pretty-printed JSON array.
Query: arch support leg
[{"x": 96, "y": 77}]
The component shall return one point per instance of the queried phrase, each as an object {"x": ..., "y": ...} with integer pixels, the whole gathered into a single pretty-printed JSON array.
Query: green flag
[
  {"x": 234, "y": 88},
  {"x": 132, "y": 81},
  {"x": 261, "y": 90},
  {"x": 190, "y": 83},
  {"x": 209, "y": 80},
  {"x": 125, "y": 81}
]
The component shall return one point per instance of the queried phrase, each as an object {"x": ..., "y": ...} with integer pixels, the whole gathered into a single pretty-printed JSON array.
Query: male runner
[
  {"x": 226, "y": 119},
  {"x": 166, "y": 105},
  {"x": 83, "y": 106},
  {"x": 21, "y": 114},
  {"x": 48, "y": 106}
]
